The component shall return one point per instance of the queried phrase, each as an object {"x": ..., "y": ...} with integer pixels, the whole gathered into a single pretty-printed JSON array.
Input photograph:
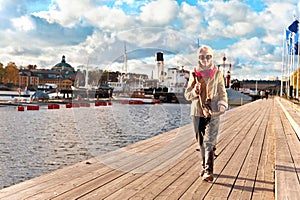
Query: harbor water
[{"x": 33, "y": 143}]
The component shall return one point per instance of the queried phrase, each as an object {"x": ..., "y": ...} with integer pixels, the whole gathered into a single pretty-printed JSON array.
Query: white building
[{"x": 176, "y": 79}]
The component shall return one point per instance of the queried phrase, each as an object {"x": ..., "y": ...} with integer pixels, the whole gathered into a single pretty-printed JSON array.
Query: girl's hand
[
  {"x": 197, "y": 88},
  {"x": 222, "y": 108}
]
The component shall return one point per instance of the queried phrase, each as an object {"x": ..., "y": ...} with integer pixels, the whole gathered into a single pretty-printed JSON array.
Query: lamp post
[
  {"x": 224, "y": 59},
  {"x": 20, "y": 73}
]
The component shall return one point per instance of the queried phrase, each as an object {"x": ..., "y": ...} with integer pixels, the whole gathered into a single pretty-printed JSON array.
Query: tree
[
  {"x": 1, "y": 73},
  {"x": 30, "y": 67},
  {"x": 11, "y": 73},
  {"x": 104, "y": 78},
  {"x": 94, "y": 77}
]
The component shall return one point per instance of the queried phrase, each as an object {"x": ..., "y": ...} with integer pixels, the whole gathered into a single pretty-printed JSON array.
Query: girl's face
[{"x": 205, "y": 59}]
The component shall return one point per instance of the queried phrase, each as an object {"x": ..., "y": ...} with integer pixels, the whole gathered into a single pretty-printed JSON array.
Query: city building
[
  {"x": 62, "y": 74},
  {"x": 176, "y": 79}
]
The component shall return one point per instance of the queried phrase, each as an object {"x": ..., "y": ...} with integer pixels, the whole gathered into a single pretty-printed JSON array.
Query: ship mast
[
  {"x": 87, "y": 75},
  {"x": 125, "y": 60}
]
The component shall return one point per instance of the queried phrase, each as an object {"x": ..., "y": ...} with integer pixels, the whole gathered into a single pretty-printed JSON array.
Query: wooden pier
[{"x": 258, "y": 158}]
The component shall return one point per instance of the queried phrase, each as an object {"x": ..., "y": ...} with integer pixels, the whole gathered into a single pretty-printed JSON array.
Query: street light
[{"x": 224, "y": 59}]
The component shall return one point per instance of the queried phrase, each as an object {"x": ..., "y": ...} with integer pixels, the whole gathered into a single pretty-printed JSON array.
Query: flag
[
  {"x": 292, "y": 42},
  {"x": 294, "y": 26}
]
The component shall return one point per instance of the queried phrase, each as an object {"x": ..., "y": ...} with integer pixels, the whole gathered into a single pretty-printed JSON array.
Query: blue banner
[
  {"x": 294, "y": 26},
  {"x": 292, "y": 37}
]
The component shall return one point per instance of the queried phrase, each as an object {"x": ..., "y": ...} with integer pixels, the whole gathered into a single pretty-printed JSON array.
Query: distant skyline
[{"x": 93, "y": 33}]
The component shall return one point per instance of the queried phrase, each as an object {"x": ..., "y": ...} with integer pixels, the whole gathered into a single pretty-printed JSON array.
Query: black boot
[{"x": 209, "y": 167}]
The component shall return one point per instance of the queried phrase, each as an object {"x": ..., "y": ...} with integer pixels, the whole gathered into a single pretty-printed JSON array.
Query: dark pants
[{"x": 200, "y": 124}]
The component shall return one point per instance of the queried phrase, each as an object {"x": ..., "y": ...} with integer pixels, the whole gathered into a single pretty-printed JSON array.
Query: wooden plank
[
  {"x": 265, "y": 184},
  {"x": 230, "y": 133},
  {"x": 157, "y": 186},
  {"x": 129, "y": 178},
  {"x": 30, "y": 186},
  {"x": 292, "y": 115},
  {"x": 285, "y": 171},
  {"x": 137, "y": 180},
  {"x": 181, "y": 184},
  {"x": 230, "y": 119},
  {"x": 245, "y": 181},
  {"x": 158, "y": 183},
  {"x": 140, "y": 183}
]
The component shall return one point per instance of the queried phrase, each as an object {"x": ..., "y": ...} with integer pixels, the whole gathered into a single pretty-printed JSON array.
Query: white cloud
[
  {"x": 238, "y": 29},
  {"x": 69, "y": 14},
  {"x": 109, "y": 18},
  {"x": 253, "y": 55},
  {"x": 142, "y": 37},
  {"x": 275, "y": 16},
  {"x": 230, "y": 19},
  {"x": 158, "y": 13},
  {"x": 230, "y": 11},
  {"x": 139, "y": 66},
  {"x": 65, "y": 12},
  {"x": 273, "y": 20},
  {"x": 190, "y": 18},
  {"x": 23, "y": 23},
  {"x": 248, "y": 48}
]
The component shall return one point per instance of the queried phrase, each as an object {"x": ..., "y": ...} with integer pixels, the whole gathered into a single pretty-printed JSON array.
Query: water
[{"x": 33, "y": 143}]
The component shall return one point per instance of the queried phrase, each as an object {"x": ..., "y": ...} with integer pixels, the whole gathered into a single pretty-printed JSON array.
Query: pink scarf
[{"x": 208, "y": 73}]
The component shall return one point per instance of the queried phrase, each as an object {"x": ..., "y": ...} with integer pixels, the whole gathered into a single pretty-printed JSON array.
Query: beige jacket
[{"x": 215, "y": 91}]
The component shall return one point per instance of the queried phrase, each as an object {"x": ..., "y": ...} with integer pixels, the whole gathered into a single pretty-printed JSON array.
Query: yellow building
[
  {"x": 54, "y": 77},
  {"x": 27, "y": 79},
  {"x": 295, "y": 79},
  {"x": 62, "y": 75}
]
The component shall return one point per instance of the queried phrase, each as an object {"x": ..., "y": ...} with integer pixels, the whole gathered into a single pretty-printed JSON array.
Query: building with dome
[
  {"x": 62, "y": 74},
  {"x": 63, "y": 66}
]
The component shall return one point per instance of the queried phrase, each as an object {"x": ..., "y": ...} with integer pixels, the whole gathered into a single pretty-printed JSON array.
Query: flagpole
[
  {"x": 293, "y": 65},
  {"x": 288, "y": 64},
  {"x": 297, "y": 78},
  {"x": 282, "y": 67},
  {"x": 297, "y": 68},
  {"x": 287, "y": 60}
]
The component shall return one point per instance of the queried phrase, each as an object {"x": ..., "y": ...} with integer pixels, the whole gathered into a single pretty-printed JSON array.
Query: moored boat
[
  {"x": 137, "y": 97},
  {"x": 103, "y": 91},
  {"x": 15, "y": 95}
]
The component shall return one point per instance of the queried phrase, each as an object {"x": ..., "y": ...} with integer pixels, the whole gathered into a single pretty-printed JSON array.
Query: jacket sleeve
[
  {"x": 190, "y": 93},
  {"x": 223, "y": 100}
]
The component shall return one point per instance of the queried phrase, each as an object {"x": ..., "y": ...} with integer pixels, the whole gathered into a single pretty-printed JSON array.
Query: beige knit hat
[{"x": 206, "y": 48}]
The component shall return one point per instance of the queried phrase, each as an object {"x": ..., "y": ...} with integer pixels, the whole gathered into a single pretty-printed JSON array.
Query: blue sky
[{"x": 249, "y": 33}]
